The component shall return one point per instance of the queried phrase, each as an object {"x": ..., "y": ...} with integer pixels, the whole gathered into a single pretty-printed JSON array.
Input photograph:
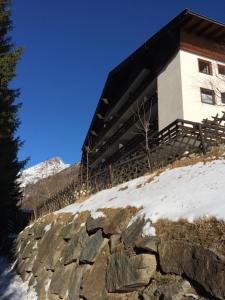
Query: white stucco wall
[
  {"x": 192, "y": 80},
  {"x": 170, "y": 106},
  {"x": 179, "y": 90}
]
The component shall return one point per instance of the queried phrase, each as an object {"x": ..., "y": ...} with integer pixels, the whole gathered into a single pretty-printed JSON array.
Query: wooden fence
[{"x": 179, "y": 139}]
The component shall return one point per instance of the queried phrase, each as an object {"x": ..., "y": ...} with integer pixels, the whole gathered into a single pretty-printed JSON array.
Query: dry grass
[
  {"x": 64, "y": 217},
  {"x": 214, "y": 153},
  {"x": 130, "y": 211},
  {"x": 207, "y": 232}
]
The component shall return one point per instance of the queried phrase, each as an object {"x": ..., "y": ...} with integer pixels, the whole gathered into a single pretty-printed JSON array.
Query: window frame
[
  {"x": 222, "y": 95},
  {"x": 202, "y": 90},
  {"x": 209, "y": 63},
  {"x": 221, "y": 66}
]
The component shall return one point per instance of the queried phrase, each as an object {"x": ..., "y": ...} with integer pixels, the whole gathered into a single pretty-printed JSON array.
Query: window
[
  {"x": 207, "y": 96},
  {"x": 221, "y": 69},
  {"x": 223, "y": 98},
  {"x": 205, "y": 66}
]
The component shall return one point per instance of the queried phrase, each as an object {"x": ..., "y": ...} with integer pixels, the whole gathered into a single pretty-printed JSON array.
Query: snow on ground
[
  {"x": 11, "y": 285},
  {"x": 190, "y": 192}
]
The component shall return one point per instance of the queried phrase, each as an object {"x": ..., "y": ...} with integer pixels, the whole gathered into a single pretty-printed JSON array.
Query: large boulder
[
  {"x": 114, "y": 222},
  {"x": 75, "y": 283},
  {"x": 52, "y": 258},
  {"x": 147, "y": 244},
  {"x": 115, "y": 242},
  {"x": 91, "y": 248},
  {"x": 169, "y": 287},
  {"x": 133, "y": 232},
  {"x": 125, "y": 274},
  {"x": 74, "y": 246},
  {"x": 40, "y": 281},
  {"x": 49, "y": 241},
  {"x": 61, "y": 279},
  {"x": 94, "y": 279},
  {"x": 29, "y": 249},
  {"x": 40, "y": 230},
  {"x": 70, "y": 228},
  {"x": 197, "y": 263}
]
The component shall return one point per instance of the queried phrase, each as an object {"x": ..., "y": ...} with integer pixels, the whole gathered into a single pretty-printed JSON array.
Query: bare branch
[{"x": 143, "y": 126}]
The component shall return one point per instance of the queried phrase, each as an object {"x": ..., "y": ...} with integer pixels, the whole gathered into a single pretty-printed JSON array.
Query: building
[{"x": 179, "y": 73}]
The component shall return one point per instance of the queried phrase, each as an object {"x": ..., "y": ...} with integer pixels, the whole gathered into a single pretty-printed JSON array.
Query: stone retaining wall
[{"x": 78, "y": 257}]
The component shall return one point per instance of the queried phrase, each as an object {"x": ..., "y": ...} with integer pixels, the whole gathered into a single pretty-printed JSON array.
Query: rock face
[
  {"x": 78, "y": 257},
  {"x": 199, "y": 264},
  {"x": 125, "y": 274}
]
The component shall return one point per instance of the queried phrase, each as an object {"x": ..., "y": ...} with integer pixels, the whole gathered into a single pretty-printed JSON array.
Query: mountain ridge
[{"x": 42, "y": 170}]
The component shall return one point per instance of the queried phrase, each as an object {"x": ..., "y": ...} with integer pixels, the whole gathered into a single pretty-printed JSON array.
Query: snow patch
[
  {"x": 47, "y": 227},
  {"x": 47, "y": 285},
  {"x": 97, "y": 214},
  {"x": 11, "y": 285},
  {"x": 191, "y": 295},
  {"x": 148, "y": 230},
  {"x": 190, "y": 192},
  {"x": 35, "y": 246}
]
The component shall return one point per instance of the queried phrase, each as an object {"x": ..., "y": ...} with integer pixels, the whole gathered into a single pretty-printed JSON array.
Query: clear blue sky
[{"x": 70, "y": 46}]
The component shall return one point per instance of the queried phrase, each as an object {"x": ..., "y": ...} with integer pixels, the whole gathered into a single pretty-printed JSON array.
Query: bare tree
[
  {"x": 48, "y": 192},
  {"x": 88, "y": 151},
  {"x": 143, "y": 113},
  {"x": 33, "y": 202}
]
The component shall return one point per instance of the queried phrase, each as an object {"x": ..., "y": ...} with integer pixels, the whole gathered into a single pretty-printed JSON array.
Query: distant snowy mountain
[{"x": 42, "y": 170}]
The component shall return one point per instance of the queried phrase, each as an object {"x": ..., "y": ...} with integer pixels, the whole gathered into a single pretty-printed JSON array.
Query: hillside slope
[
  {"x": 189, "y": 192},
  {"x": 37, "y": 193},
  {"x": 42, "y": 170}
]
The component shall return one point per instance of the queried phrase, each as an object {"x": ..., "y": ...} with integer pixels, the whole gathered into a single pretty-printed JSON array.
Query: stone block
[
  {"x": 91, "y": 248},
  {"x": 115, "y": 222},
  {"x": 60, "y": 282},
  {"x": 148, "y": 244},
  {"x": 115, "y": 241},
  {"x": 169, "y": 287},
  {"x": 94, "y": 279},
  {"x": 74, "y": 246},
  {"x": 133, "y": 232},
  {"x": 197, "y": 263},
  {"x": 49, "y": 242},
  {"x": 52, "y": 257},
  {"x": 39, "y": 230},
  {"x": 75, "y": 283},
  {"x": 29, "y": 249},
  {"x": 70, "y": 229},
  {"x": 93, "y": 225},
  {"x": 125, "y": 274}
]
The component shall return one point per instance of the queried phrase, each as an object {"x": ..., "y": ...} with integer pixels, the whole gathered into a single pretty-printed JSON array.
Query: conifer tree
[{"x": 9, "y": 143}]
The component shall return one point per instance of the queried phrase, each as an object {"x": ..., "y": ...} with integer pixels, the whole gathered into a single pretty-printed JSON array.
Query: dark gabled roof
[{"x": 187, "y": 20}]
